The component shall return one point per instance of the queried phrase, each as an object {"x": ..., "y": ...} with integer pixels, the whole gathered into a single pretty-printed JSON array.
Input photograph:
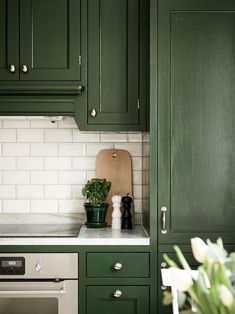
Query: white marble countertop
[{"x": 88, "y": 236}]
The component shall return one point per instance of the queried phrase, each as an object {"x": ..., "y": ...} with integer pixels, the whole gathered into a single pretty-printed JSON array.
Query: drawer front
[{"x": 117, "y": 265}]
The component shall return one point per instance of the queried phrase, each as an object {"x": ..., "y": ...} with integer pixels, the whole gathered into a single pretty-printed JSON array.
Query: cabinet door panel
[
  {"x": 197, "y": 120},
  {"x": 9, "y": 39},
  {"x": 134, "y": 300},
  {"x": 50, "y": 39},
  {"x": 113, "y": 61}
]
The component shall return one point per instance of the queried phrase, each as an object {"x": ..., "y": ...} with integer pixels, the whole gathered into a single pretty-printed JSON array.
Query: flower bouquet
[{"x": 213, "y": 292}]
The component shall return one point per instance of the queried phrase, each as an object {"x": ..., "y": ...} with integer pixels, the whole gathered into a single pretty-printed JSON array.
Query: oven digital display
[{"x": 12, "y": 265}]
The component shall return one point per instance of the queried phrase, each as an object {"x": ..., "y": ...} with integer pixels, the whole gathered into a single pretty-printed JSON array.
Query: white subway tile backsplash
[
  {"x": 71, "y": 206},
  {"x": 84, "y": 163},
  {"x": 58, "y": 192},
  {"x": 137, "y": 177},
  {"x": 77, "y": 191},
  {"x": 85, "y": 137},
  {"x": 137, "y": 206},
  {"x": 44, "y": 206},
  {"x": 29, "y": 163},
  {"x": 15, "y": 149},
  {"x": 73, "y": 149},
  {"x": 16, "y": 206},
  {"x": 43, "y": 124},
  {"x": 72, "y": 177},
  {"x": 44, "y": 177},
  {"x": 7, "y": 192},
  {"x": 29, "y": 191},
  {"x": 136, "y": 163},
  {"x": 44, "y": 149},
  {"x": 7, "y": 135},
  {"x": 37, "y": 135},
  {"x": 146, "y": 149},
  {"x": 16, "y": 177},
  {"x": 7, "y": 163},
  {"x": 113, "y": 137},
  {"x": 94, "y": 148},
  {"x": 135, "y": 137},
  {"x": 58, "y": 135},
  {"x": 16, "y": 124},
  {"x": 133, "y": 148},
  {"x": 58, "y": 163},
  {"x": 67, "y": 122},
  {"x": 90, "y": 174},
  {"x": 137, "y": 191}
]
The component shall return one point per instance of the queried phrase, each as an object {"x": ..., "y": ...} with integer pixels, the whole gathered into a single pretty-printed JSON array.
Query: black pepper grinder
[{"x": 126, "y": 215}]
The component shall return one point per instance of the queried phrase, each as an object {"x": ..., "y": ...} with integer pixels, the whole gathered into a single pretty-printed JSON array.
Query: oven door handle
[{"x": 62, "y": 291}]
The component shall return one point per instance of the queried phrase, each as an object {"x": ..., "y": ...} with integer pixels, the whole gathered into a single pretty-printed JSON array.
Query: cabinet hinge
[
  {"x": 80, "y": 60},
  {"x": 138, "y": 103}
]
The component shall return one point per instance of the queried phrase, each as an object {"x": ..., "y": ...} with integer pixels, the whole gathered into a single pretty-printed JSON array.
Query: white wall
[{"x": 43, "y": 166}]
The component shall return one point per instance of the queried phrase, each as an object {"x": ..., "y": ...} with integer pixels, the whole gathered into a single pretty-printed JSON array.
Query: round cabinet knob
[
  {"x": 38, "y": 267},
  {"x": 117, "y": 293},
  {"x": 117, "y": 266},
  {"x": 12, "y": 68},
  {"x": 24, "y": 68},
  {"x": 93, "y": 113}
]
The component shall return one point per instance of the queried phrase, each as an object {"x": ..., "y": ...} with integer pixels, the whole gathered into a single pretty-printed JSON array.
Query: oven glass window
[{"x": 28, "y": 306}]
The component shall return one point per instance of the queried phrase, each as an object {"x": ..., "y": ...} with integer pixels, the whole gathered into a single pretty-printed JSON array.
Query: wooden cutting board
[{"x": 115, "y": 165}]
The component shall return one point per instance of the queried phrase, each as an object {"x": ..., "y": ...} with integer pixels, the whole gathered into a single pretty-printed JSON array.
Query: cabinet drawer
[{"x": 117, "y": 265}]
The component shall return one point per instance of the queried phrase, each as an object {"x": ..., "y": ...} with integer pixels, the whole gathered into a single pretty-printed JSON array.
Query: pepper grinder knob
[{"x": 127, "y": 216}]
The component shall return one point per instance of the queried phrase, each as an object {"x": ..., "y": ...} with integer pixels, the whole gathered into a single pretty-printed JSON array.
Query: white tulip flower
[
  {"x": 182, "y": 279},
  {"x": 199, "y": 248},
  {"x": 225, "y": 296}
]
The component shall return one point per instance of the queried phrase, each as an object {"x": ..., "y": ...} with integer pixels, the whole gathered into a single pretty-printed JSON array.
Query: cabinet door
[
  {"x": 134, "y": 300},
  {"x": 113, "y": 62},
  {"x": 196, "y": 97},
  {"x": 50, "y": 37},
  {"x": 9, "y": 40}
]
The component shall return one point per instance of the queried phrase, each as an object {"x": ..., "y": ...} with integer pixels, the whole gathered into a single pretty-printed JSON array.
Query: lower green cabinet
[{"x": 117, "y": 299}]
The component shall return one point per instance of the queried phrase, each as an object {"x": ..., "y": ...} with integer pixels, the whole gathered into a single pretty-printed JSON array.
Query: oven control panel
[{"x": 12, "y": 265}]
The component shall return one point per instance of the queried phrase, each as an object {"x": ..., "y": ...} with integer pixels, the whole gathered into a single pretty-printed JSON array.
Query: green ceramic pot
[{"x": 96, "y": 215}]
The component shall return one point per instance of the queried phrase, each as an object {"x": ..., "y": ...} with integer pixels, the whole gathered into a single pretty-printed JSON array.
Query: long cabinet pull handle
[
  {"x": 34, "y": 292},
  {"x": 163, "y": 211}
]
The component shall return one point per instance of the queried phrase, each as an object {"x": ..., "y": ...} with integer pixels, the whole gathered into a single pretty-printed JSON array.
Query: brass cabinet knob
[
  {"x": 117, "y": 266},
  {"x": 24, "y": 68},
  {"x": 12, "y": 68},
  {"x": 117, "y": 293}
]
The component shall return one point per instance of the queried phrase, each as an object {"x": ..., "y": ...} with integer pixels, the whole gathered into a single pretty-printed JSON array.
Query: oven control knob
[{"x": 38, "y": 267}]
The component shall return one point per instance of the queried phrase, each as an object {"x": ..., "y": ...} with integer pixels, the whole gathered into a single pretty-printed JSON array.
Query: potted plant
[{"x": 96, "y": 190}]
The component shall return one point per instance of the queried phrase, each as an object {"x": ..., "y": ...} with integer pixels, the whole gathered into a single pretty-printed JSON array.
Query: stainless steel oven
[{"x": 39, "y": 283}]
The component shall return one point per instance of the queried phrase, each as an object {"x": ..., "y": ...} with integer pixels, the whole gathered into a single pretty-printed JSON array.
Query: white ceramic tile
[
  {"x": 146, "y": 176},
  {"x": 137, "y": 177},
  {"x": 86, "y": 137},
  {"x": 71, "y": 206},
  {"x": 72, "y": 149},
  {"x": 44, "y": 149},
  {"x": 77, "y": 191},
  {"x": 30, "y": 135},
  {"x": 84, "y": 163},
  {"x": 29, "y": 163},
  {"x": 15, "y": 149},
  {"x": 43, "y": 123},
  {"x": 146, "y": 149},
  {"x": 135, "y": 149},
  {"x": 90, "y": 174},
  {"x": 44, "y": 177},
  {"x": 146, "y": 191},
  {"x": 44, "y": 206},
  {"x": 113, "y": 137},
  {"x": 16, "y": 124},
  {"x": 137, "y": 205},
  {"x": 15, "y": 177},
  {"x": 146, "y": 137},
  {"x": 58, "y": 192},
  {"x": 135, "y": 137},
  {"x": 7, "y": 163},
  {"x": 7, "y": 135},
  {"x": 1, "y": 177},
  {"x": 137, "y": 191},
  {"x": 7, "y": 192},
  {"x": 16, "y": 206},
  {"x": 94, "y": 148},
  {"x": 58, "y": 163},
  {"x": 136, "y": 163},
  {"x": 146, "y": 163},
  {"x": 29, "y": 191},
  {"x": 67, "y": 122},
  {"x": 1, "y": 149},
  {"x": 72, "y": 177},
  {"x": 58, "y": 135}
]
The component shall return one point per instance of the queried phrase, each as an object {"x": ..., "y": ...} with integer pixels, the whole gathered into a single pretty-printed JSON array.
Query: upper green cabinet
[
  {"x": 40, "y": 40},
  {"x": 196, "y": 120},
  {"x": 116, "y": 96}
]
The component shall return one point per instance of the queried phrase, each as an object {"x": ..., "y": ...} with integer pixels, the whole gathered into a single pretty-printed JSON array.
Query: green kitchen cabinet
[
  {"x": 196, "y": 120},
  {"x": 117, "y": 61},
  {"x": 117, "y": 299},
  {"x": 40, "y": 40}
]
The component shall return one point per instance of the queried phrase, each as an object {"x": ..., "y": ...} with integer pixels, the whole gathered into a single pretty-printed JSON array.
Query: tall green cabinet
[{"x": 193, "y": 119}]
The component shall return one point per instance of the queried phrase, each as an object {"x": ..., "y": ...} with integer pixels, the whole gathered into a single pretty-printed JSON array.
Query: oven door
[{"x": 39, "y": 297}]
